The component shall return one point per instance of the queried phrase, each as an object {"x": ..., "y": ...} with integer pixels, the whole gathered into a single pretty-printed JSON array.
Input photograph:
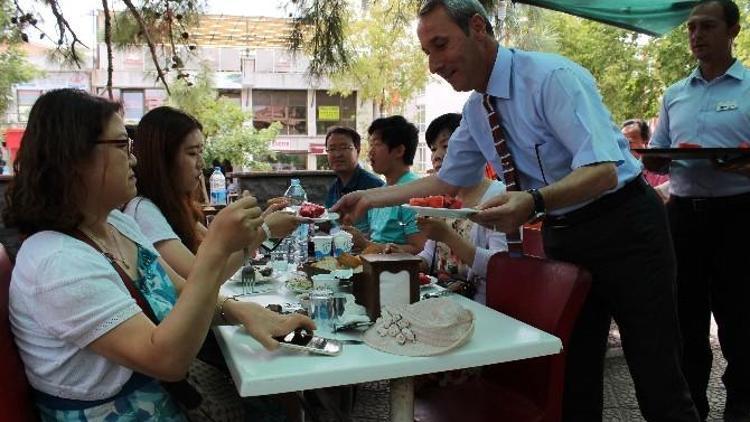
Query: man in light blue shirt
[
  {"x": 709, "y": 206},
  {"x": 579, "y": 173}
]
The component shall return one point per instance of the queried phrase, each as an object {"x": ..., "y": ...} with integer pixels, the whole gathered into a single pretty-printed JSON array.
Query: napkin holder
[{"x": 387, "y": 279}]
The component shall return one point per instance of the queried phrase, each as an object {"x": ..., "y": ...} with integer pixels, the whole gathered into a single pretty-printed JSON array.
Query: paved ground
[{"x": 620, "y": 404}]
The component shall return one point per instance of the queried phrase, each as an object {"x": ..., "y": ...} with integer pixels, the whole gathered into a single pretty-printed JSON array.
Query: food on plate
[
  {"x": 442, "y": 201},
  {"x": 688, "y": 145},
  {"x": 424, "y": 279},
  {"x": 373, "y": 248},
  {"x": 348, "y": 261},
  {"x": 299, "y": 282},
  {"x": 332, "y": 264},
  {"x": 311, "y": 210},
  {"x": 328, "y": 263}
]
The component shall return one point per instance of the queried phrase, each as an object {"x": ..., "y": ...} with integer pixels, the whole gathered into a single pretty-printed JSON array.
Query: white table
[{"x": 497, "y": 338}]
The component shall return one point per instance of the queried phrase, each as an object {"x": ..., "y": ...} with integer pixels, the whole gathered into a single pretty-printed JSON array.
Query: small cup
[
  {"x": 324, "y": 281},
  {"x": 279, "y": 261},
  {"x": 342, "y": 243},
  {"x": 322, "y": 246},
  {"x": 322, "y": 309}
]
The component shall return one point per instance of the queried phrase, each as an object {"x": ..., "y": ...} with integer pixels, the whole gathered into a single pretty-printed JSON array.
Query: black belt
[
  {"x": 599, "y": 206},
  {"x": 714, "y": 203}
]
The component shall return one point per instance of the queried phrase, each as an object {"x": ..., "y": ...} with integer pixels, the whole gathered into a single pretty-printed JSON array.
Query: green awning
[{"x": 652, "y": 17}]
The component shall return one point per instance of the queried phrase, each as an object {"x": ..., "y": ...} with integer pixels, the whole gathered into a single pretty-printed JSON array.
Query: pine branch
[{"x": 151, "y": 47}]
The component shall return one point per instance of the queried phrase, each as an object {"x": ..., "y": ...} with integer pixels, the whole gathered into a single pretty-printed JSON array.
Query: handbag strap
[{"x": 126, "y": 279}]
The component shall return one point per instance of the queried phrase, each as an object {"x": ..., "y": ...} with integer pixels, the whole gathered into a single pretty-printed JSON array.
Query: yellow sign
[{"x": 328, "y": 113}]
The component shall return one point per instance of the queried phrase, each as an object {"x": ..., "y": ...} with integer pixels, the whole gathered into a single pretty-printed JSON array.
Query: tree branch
[
  {"x": 151, "y": 47},
  {"x": 64, "y": 27},
  {"x": 108, "y": 43}
]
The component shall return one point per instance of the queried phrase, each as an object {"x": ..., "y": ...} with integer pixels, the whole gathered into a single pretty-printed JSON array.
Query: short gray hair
[{"x": 460, "y": 12}]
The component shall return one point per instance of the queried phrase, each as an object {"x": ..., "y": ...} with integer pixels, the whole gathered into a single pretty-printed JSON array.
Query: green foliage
[
  {"x": 162, "y": 19},
  {"x": 742, "y": 43},
  {"x": 386, "y": 63},
  {"x": 13, "y": 66},
  {"x": 616, "y": 59},
  {"x": 229, "y": 132},
  {"x": 527, "y": 28}
]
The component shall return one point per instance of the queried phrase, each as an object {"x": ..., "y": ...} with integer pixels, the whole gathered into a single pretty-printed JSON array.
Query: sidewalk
[{"x": 620, "y": 405}]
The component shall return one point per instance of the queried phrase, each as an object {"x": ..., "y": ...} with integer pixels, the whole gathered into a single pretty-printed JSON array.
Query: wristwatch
[{"x": 540, "y": 210}]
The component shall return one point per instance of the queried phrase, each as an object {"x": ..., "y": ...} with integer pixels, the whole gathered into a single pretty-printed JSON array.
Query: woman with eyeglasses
[
  {"x": 169, "y": 148},
  {"x": 98, "y": 316}
]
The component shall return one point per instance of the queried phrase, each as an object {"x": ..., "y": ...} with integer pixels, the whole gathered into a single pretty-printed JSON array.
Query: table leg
[{"x": 402, "y": 399}]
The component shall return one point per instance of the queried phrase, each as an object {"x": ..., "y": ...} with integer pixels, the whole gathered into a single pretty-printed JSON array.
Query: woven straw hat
[{"x": 425, "y": 328}]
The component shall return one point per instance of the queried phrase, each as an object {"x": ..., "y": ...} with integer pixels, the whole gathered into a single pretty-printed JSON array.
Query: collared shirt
[
  {"x": 393, "y": 224},
  {"x": 361, "y": 180},
  {"x": 553, "y": 118},
  {"x": 714, "y": 114}
]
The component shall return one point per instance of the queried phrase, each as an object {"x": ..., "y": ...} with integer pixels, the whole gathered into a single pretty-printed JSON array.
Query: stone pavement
[{"x": 620, "y": 405}]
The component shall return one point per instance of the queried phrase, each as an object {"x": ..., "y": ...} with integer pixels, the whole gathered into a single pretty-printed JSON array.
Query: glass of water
[
  {"x": 279, "y": 261},
  {"x": 322, "y": 309}
]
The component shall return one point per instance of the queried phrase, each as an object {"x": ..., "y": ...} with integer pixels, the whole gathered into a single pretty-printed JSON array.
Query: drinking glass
[{"x": 322, "y": 309}]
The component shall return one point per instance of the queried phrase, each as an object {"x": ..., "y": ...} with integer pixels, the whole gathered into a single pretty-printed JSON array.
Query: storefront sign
[{"x": 328, "y": 113}]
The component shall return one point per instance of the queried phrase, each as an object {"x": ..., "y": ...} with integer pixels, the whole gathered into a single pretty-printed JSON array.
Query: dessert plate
[{"x": 442, "y": 212}]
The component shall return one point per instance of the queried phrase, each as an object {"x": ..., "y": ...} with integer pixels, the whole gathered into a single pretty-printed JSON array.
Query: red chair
[
  {"x": 533, "y": 245},
  {"x": 543, "y": 293},
  {"x": 15, "y": 395}
]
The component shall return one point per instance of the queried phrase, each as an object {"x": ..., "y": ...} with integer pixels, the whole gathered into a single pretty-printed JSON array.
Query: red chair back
[
  {"x": 15, "y": 395},
  {"x": 533, "y": 245},
  {"x": 547, "y": 295}
]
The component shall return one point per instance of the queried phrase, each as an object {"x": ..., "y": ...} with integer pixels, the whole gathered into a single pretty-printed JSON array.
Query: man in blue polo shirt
[
  {"x": 709, "y": 206},
  {"x": 581, "y": 179},
  {"x": 342, "y": 147}
]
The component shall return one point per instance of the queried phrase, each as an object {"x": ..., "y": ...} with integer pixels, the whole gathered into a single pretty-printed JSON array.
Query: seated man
[
  {"x": 637, "y": 132},
  {"x": 393, "y": 143},
  {"x": 342, "y": 147}
]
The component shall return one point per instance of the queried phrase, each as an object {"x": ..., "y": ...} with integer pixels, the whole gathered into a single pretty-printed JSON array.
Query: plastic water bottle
[
  {"x": 297, "y": 195},
  {"x": 218, "y": 184}
]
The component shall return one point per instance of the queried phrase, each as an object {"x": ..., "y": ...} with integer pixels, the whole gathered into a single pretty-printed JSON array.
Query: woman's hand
[
  {"x": 263, "y": 325},
  {"x": 235, "y": 226},
  {"x": 359, "y": 239},
  {"x": 433, "y": 228},
  {"x": 275, "y": 204},
  {"x": 282, "y": 223}
]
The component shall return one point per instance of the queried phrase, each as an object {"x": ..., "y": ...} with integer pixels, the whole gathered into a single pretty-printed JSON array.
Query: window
[
  {"x": 229, "y": 59},
  {"x": 133, "y": 103},
  {"x": 335, "y": 110},
  {"x": 421, "y": 118},
  {"x": 287, "y": 107},
  {"x": 233, "y": 95},
  {"x": 26, "y": 99}
]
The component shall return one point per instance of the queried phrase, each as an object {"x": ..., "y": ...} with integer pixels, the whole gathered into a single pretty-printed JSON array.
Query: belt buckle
[
  {"x": 557, "y": 221},
  {"x": 699, "y": 204}
]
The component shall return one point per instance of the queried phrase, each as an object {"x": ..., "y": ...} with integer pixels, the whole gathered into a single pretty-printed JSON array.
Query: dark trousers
[
  {"x": 623, "y": 240},
  {"x": 711, "y": 242}
]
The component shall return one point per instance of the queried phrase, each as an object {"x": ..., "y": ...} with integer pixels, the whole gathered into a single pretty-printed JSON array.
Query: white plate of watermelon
[{"x": 440, "y": 206}]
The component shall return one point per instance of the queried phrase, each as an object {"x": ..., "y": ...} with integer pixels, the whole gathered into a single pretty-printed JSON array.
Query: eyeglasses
[
  {"x": 342, "y": 149},
  {"x": 117, "y": 142}
]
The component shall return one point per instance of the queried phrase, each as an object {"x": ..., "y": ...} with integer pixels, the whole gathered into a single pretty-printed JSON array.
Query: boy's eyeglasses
[
  {"x": 334, "y": 150},
  {"x": 118, "y": 142}
]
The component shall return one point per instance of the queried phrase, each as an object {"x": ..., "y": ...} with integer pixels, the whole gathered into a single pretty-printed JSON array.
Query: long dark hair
[
  {"x": 46, "y": 193},
  {"x": 160, "y": 134}
]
